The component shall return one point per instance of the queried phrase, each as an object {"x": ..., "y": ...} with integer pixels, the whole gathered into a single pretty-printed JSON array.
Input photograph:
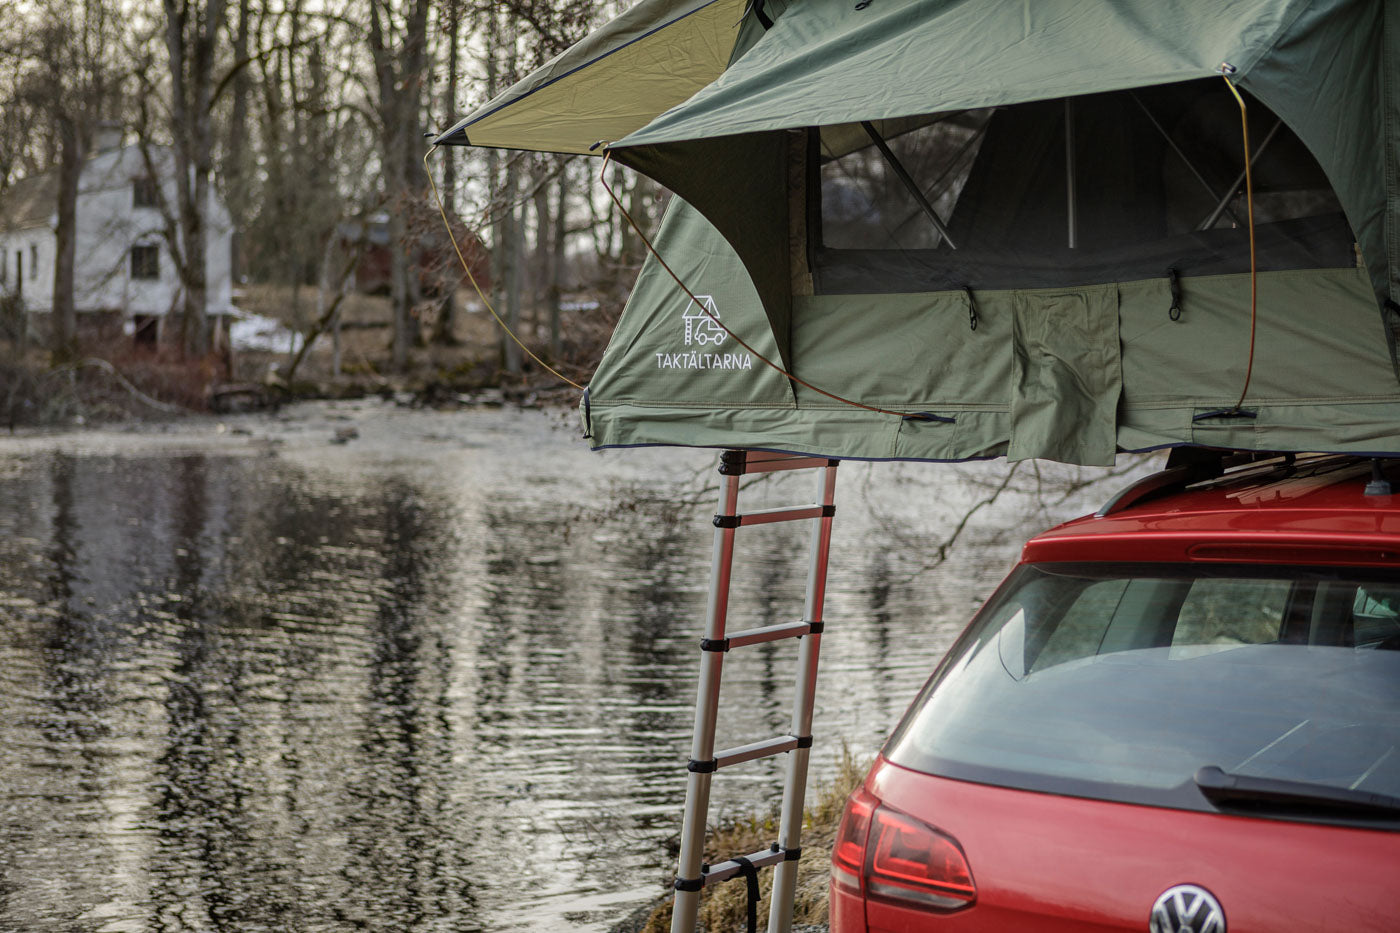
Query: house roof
[{"x": 29, "y": 202}]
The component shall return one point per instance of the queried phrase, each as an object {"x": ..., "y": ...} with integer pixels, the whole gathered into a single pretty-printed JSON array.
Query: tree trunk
[
  {"x": 64, "y": 345},
  {"x": 556, "y": 268},
  {"x": 398, "y": 289},
  {"x": 445, "y": 332},
  {"x": 512, "y": 238},
  {"x": 399, "y": 70},
  {"x": 191, "y": 34},
  {"x": 237, "y": 184}
]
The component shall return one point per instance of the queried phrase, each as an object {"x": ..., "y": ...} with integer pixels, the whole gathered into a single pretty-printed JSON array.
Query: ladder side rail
[
  {"x": 697, "y": 791},
  {"x": 795, "y": 788}
]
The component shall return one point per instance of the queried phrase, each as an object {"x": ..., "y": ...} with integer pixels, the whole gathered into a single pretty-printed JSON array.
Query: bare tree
[
  {"x": 69, "y": 81},
  {"x": 192, "y": 29},
  {"x": 398, "y": 40},
  {"x": 451, "y": 23}
]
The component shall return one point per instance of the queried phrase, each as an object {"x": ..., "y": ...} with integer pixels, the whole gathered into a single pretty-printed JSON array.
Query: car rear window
[{"x": 1121, "y": 681}]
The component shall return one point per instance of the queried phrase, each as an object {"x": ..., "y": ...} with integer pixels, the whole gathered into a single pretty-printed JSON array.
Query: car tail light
[
  {"x": 908, "y": 860},
  {"x": 889, "y": 855},
  {"x": 848, "y": 854}
]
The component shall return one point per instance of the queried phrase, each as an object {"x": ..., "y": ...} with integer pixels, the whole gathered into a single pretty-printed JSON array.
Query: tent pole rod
[
  {"x": 1210, "y": 189},
  {"x": 1071, "y": 196},
  {"x": 907, "y": 180},
  {"x": 1234, "y": 187}
]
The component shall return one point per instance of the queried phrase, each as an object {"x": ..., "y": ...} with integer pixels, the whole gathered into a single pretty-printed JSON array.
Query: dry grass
[{"x": 723, "y": 907}]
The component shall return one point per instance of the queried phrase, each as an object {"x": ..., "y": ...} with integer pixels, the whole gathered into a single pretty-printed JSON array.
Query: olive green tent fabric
[
  {"x": 668, "y": 350},
  {"x": 650, "y": 58},
  {"x": 1316, "y": 64},
  {"x": 825, "y": 62},
  {"x": 734, "y": 105},
  {"x": 751, "y": 170},
  {"x": 1066, "y": 374}
]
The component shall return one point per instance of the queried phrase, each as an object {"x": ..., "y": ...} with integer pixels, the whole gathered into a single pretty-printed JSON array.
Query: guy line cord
[
  {"x": 1226, "y": 70},
  {"x": 451, "y": 235},
  {"x": 607, "y": 157}
]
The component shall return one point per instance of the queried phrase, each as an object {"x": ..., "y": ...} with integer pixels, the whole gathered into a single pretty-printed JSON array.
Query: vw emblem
[{"x": 1187, "y": 908}]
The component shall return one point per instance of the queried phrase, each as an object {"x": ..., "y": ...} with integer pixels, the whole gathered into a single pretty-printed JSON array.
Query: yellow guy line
[
  {"x": 442, "y": 209},
  {"x": 1249, "y": 203}
]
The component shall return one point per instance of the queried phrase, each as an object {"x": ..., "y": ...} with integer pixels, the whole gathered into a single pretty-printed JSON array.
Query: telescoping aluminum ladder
[{"x": 693, "y": 875}]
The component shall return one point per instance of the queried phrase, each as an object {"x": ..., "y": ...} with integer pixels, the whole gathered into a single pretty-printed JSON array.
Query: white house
[{"x": 123, "y": 269}]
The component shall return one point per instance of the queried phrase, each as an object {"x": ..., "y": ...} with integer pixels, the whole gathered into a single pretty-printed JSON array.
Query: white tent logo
[{"x": 702, "y": 327}]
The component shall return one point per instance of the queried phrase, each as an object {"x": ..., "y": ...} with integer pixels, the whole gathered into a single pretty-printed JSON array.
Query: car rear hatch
[{"x": 1046, "y": 862}]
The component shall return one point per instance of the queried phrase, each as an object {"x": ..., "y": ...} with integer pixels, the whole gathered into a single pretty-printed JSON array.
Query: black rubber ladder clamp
[{"x": 693, "y": 874}]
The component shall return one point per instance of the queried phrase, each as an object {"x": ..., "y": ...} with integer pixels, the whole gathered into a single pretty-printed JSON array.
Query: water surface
[{"x": 437, "y": 678}]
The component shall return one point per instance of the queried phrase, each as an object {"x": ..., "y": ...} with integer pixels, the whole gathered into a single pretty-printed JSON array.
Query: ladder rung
[
  {"x": 728, "y": 869},
  {"x": 764, "y": 749},
  {"x": 754, "y": 636},
  {"x": 741, "y": 462},
  {"x": 769, "y": 516}
]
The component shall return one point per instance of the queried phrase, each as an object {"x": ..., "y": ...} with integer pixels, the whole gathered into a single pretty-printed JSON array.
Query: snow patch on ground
[{"x": 255, "y": 332}]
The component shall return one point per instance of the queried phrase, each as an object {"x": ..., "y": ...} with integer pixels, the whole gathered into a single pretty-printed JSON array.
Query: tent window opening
[
  {"x": 1080, "y": 191},
  {"x": 865, "y": 201}
]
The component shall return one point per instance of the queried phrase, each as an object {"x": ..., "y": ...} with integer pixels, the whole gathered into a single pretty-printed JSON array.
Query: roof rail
[{"x": 1185, "y": 466}]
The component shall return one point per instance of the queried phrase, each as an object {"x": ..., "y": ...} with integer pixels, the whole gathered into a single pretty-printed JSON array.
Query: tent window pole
[
  {"x": 1167, "y": 138},
  {"x": 907, "y": 181},
  {"x": 1235, "y": 185},
  {"x": 1071, "y": 198}
]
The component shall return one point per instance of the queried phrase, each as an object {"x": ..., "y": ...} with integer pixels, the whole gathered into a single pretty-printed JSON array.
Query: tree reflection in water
[{"x": 242, "y": 694}]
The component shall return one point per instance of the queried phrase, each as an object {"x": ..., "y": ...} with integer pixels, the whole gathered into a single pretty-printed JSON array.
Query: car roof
[{"x": 1288, "y": 509}]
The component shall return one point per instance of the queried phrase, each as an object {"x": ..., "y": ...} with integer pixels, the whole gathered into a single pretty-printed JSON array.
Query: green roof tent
[{"x": 1014, "y": 228}]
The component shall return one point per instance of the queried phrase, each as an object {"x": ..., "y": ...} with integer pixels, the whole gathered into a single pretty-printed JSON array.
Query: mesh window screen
[{"x": 1090, "y": 190}]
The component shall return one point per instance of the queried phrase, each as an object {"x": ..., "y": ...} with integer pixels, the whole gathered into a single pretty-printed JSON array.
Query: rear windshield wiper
[{"x": 1276, "y": 795}]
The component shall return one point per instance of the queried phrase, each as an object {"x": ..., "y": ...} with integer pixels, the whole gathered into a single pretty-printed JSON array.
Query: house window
[
  {"x": 144, "y": 193},
  {"x": 34, "y": 261},
  {"x": 145, "y": 262},
  {"x": 4, "y": 264}
]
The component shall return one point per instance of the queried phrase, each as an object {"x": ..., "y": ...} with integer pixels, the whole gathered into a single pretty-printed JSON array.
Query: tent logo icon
[{"x": 701, "y": 327}]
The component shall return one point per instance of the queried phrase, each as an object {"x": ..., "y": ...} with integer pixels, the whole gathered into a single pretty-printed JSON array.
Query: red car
[{"x": 1179, "y": 715}]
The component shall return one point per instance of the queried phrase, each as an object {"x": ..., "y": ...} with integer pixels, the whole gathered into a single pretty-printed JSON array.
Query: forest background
[{"x": 309, "y": 118}]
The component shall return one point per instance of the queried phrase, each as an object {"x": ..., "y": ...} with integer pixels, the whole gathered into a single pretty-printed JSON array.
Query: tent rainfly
[{"x": 1000, "y": 229}]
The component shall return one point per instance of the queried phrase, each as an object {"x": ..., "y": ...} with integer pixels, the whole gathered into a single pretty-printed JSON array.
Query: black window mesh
[{"x": 1150, "y": 171}]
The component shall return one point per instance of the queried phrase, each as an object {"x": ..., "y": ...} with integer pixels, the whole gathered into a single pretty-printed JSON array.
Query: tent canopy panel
[
  {"x": 649, "y": 59},
  {"x": 825, "y": 62}
]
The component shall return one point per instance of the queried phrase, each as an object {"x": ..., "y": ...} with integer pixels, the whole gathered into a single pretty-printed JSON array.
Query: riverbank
[
  {"x": 723, "y": 908},
  {"x": 277, "y": 351}
]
